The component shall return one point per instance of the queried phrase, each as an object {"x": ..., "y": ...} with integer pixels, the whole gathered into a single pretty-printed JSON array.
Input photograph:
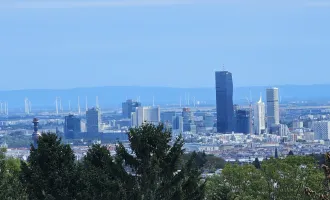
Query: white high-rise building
[
  {"x": 259, "y": 117},
  {"x": 273, "y": 107},
  {"x": 321, "y": 130},
  {"x": 145, "y": 114}
]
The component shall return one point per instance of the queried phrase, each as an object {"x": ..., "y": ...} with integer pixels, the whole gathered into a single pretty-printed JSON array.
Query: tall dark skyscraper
[{"x": 224, "y": 101}]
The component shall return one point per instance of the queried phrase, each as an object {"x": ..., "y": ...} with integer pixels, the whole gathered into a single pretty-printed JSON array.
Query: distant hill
[{"x": 112, "y": 96}]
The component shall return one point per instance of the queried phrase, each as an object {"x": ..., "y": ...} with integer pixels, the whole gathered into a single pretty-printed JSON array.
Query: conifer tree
[
  {"x": 256, "y": 163},
  {"x": 155, "y": 166},
  {"x": 50, "y": 171}
]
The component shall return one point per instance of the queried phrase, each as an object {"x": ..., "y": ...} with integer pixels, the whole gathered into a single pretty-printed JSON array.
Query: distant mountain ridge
[{"x": 112, "y": 96}]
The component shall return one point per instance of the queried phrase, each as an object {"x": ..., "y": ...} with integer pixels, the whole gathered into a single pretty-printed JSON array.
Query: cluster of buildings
[
  {"x": 231, "y": 118},
  {"x": 227, "y": 130}
]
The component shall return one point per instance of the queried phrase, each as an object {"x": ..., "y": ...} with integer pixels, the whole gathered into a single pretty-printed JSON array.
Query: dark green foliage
[
  {"x": 212, "y": 163},
  {"x": 101, "y": 178},
  {"x": 51, "y": 171},
  {"x": 320, "y": 158},
  {"x": 256, "y": 163},
  {"x": 155, "y": 166},
  {"x": 152, "y": 170}
]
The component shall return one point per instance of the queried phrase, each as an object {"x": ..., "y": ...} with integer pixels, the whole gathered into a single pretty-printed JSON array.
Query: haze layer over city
[{"x": 239, "y": 80}]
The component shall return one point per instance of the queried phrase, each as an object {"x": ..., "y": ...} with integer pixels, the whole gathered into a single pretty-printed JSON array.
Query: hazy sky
[{"x": 72, "y": 43}]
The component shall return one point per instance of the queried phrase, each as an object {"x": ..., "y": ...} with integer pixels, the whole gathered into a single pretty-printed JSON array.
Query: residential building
[
  {"x": 242, "y": 121},
  {"x": 145, "y": 114},
  {"x": 208, "y": 120},
  {"x": 188, "y": 121},
  {"x": 72, "y": 126},
  {"x": 321, "y": 130},
  {"x": 128, "y": 107},
  {"x": 177, "y": 123},
  {"x": 166, "y": 117},
  {"x": 296, "y": 124},
  {"x": 93, "y": 120}
]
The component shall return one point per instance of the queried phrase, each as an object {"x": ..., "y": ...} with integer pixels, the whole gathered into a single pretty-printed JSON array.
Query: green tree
[
  {"x": 212, "y": 163},
  {"x": 154, "y": 166},
  {"x": 10, "y": 186},
  {"x": 324, "y": 192},
  {"x": 217, "y": 189},
  {"x": 50, "y": 172},
  {"x": 245, "y": 182},
  {"x": 279, "y": 179},
  {"x": 256, "y": 163},
  {"x": 287, "y": 178},
  {"x": 101, "y": 177}
]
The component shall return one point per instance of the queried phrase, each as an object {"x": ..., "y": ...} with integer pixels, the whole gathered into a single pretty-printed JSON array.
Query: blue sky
[{"x": 177, "y": 43}]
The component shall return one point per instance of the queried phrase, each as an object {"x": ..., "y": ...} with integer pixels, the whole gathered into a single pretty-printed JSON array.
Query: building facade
[
  {"x": 242, "y": 121},
  {"x": 224, "y": 101},
  {"x": 273, "y": 107},
  {"x": 145, "y": 114},
  {"x": 296, "y": 124},
  {"x": 321, "y": 130},
  {"x": 166, "y": 117},
  {"x": 177, "y": 123},
  {"x": 208, "y": 120},
  {"x": 128, "y": 107},
  {"x": 72, "y": 126},
  {"x": 188, "y": 121},
  {"x": 259, "y": 118},
  {"x": 93, "y": 120}
]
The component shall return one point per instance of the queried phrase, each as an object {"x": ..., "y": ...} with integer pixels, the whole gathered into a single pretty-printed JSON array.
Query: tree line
[{"x": 155, "y": 167}]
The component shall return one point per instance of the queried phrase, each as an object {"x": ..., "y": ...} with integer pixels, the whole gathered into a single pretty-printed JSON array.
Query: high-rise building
[
  {"x": 177, "y": 123},
  {"x": 93, "y": 120},
  {"x": 296, "y": 124},
  {"x": 128, "y": 107},
  {"x": 259, "y": 118},
  {"x": 224, "y": 101},
  {"x": 321, "y": 130},
  {"x": 188, "y": 120},
  {"x": 273, "y": 107},
  {"x": 145, "y": 114},
  {"x": 208, "y": 120},
  {"x": 242, "y": 121},
  {"x": 166, "y": 117},
  {"x": 72, "y": 126}
]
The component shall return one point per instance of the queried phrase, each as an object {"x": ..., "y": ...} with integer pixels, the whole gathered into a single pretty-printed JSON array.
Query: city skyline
[{"x": 63, "y": 43}]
